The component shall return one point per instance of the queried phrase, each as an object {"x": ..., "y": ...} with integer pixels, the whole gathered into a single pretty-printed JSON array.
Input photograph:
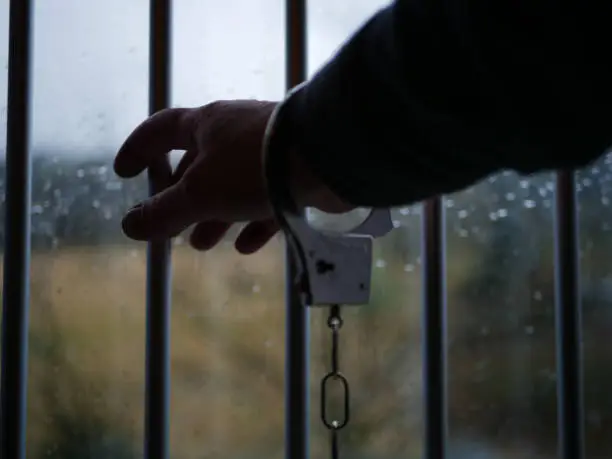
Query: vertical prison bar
[
  {"x": 15, "y": 299},
  {"x": 568, "y": 321},
  {"x": 297, "y": 316},
  {"x": 156, "y": 445},
  {"x": 434, "y": 331}
]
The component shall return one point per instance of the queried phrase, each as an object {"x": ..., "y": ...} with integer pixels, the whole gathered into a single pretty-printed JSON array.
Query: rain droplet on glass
[
  {"x": 529, "y": 203},
  {"x": 113, "y": 186},
  {"x": 381, "y": 263}
]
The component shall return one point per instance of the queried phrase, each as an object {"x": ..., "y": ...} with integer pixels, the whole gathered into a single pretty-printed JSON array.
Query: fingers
[
  {"x": 143, "y": 223},
  {"x": 206, "y": 235},
  {"x": 255, "y": 235},
  {"x": 166, "y": 130},
  {"x": 167, "y": 213},
  {"x": 162, "y": 216}
]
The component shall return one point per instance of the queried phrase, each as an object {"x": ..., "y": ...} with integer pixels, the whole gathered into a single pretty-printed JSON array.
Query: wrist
[{"x": 309, "y": 191}]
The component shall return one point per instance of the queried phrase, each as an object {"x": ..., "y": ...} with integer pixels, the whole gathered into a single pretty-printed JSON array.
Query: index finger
[{"x": 166, "y": 130}]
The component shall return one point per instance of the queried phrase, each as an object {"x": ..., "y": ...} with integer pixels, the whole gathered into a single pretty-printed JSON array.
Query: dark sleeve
[{"x": 430, "y": 96}]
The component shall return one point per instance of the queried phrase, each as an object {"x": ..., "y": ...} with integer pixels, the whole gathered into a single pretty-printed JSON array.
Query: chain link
[{"x": 334, "y": 322}]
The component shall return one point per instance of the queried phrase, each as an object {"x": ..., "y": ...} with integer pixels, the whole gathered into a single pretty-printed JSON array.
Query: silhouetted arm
[{"x": 430, "y": 96}]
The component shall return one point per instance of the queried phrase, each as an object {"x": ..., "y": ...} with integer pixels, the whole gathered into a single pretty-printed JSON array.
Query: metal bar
[
  {"x": 15, "y": 300},
  {"x": 297, "y": 329},
  {"x": 156, "y": 442},
  {"x": 434, "y": 330},
  {"x": 568, "y": 321}
]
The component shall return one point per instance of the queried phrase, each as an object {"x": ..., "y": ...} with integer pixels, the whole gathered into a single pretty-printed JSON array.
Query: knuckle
[
  {"x": 207, "y": 120},
  {"x": 211, "y": 111},
  {"x": 191, "y": 126},
  {"x": 163, "y": 113}
]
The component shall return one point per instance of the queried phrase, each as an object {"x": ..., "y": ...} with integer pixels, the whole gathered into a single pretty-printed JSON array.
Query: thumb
[{"x": 162, "y": 216}]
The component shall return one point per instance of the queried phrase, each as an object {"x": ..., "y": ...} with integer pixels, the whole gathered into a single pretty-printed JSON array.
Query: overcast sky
[{"x": 90, "y": 59}]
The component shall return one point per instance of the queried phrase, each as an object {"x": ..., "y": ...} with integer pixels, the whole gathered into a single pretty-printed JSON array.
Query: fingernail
[{"x": 133, "y": 224}]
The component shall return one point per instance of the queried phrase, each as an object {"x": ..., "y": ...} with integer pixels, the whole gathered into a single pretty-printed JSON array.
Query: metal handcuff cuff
[{"x": 332, "y": 268}]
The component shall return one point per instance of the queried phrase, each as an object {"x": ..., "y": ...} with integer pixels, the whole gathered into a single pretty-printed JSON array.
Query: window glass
[
  {"x": 501, "y": 342},
  {"x": 228, "y": 309},
  {"x": 594, "y": 188},
  {"x": 380, "y": 352},
  {"x": 86, "y": 366}
]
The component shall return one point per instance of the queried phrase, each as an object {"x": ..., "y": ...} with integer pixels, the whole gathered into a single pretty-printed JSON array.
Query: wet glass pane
[
  {"x": 86, "y": 381},
  {"x": 501, "y": 354},
  {"x": 228, "y": 309},
  {"x": 594, "y": 187},
  {"x": 380, "y": 352}
]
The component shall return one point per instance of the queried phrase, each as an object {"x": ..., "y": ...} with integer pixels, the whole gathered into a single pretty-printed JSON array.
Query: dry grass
[
  {"x": 86, "y": 388},
  {"x": 87, "y": 349}
]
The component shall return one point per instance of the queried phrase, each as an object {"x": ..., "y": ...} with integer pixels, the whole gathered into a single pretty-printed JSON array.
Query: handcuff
[{"x": 331, "y": 268}]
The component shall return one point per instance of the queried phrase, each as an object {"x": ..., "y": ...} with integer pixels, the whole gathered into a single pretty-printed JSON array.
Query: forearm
[{"x": 427, "y": 99}]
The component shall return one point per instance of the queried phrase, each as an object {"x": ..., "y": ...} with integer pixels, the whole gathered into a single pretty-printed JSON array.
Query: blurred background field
[{"x": 87, "y": 331}]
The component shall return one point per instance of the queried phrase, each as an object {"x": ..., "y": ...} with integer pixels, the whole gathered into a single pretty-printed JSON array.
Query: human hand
[{"x": 218, "y": 181}]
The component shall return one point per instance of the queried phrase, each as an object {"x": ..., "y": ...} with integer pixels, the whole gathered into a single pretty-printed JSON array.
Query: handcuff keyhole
[{"x": 324, "y": 267}]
